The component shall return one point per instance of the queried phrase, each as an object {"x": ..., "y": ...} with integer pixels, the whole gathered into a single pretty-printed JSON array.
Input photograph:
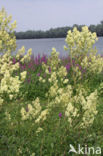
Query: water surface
[{"x": 44, "y": 46}]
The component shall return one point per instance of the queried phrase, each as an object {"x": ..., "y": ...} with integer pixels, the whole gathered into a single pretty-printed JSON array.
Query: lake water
[{"x": 44, "y": 46}]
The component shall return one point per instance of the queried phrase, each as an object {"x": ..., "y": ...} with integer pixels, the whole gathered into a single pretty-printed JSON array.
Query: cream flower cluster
[
  {"x": 101, "y": 88},
  {"x": 7, "y": 116},
  {"x": 60, "y": 91},
  {"x": 90, "y": 109},
  {"x": 71, "y": 112},
  {"x": 84, "y": 107},
  {"x": 42, "y": 116},
  {"x": 39, "y": 130},
  {"x": 63, "y": 95},
  {"x": 1, "y": 102},
  {"x": 93, "y": 63},
  {"x": 80, "y": 42},
  {"x": 9, "y": 83},
  {"x": 25, "y": 57},
  {"x": 33, "y": 111},
  {"x": 7, "y": 37},
  {"x": 53, "y": 60}
]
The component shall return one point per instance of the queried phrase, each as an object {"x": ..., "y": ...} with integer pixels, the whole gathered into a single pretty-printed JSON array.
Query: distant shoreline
[
  {"x": 59, "y": 32},
  {"x": 45, "y": 38},
  {"x": 41, "y": 38}
]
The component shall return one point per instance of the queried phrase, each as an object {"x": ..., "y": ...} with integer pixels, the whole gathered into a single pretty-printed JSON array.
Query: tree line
[{"x": 57, "y": 32}]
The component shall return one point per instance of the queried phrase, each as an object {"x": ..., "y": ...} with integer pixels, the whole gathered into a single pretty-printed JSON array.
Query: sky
[{"x": 46, "y": 14}]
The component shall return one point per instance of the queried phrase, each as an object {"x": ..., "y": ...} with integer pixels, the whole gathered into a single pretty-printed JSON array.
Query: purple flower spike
[
  {"x": 79, "y": 66},
  {"x": 68, "y": 66},
  {"x": 49, "y": 70},
  {"x": 60, "y": 115},
  {"x": 14, "y": 60},
  {"x": 38, "y": 74}
]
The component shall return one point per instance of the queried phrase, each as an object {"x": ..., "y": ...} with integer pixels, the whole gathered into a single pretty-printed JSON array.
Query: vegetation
[
  {"x": 57, "y": 32},
  {"x": 48, "y": 104}
]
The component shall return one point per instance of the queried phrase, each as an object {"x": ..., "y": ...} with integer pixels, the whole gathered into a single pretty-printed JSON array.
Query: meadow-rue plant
[
  {"x": 9, "y": 83},
  {"x": 31, "y": 111},
  {"x": 80, "y": 43},
  {"x": 93, "y": 64},
  {"x": 7, "y": 37},
  {"x": 34, "y": 111},
  {"x": 83, "y": 107},
  {"x": 61, "y": 91}
]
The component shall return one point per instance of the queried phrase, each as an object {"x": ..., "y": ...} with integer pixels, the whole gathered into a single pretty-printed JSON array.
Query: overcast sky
[{"x": 46, "y": 14}]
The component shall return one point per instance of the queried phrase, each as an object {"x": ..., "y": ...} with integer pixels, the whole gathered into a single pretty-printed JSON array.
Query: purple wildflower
[
  {"x": 60, "y": 115},
  {"x": 14, "y": 60},
  {"x": 68, "y": 66},
  {"x": 49, "y": 70},
  {"x": 79, "y": 66},
  {"x": 38, "y": 74}
]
